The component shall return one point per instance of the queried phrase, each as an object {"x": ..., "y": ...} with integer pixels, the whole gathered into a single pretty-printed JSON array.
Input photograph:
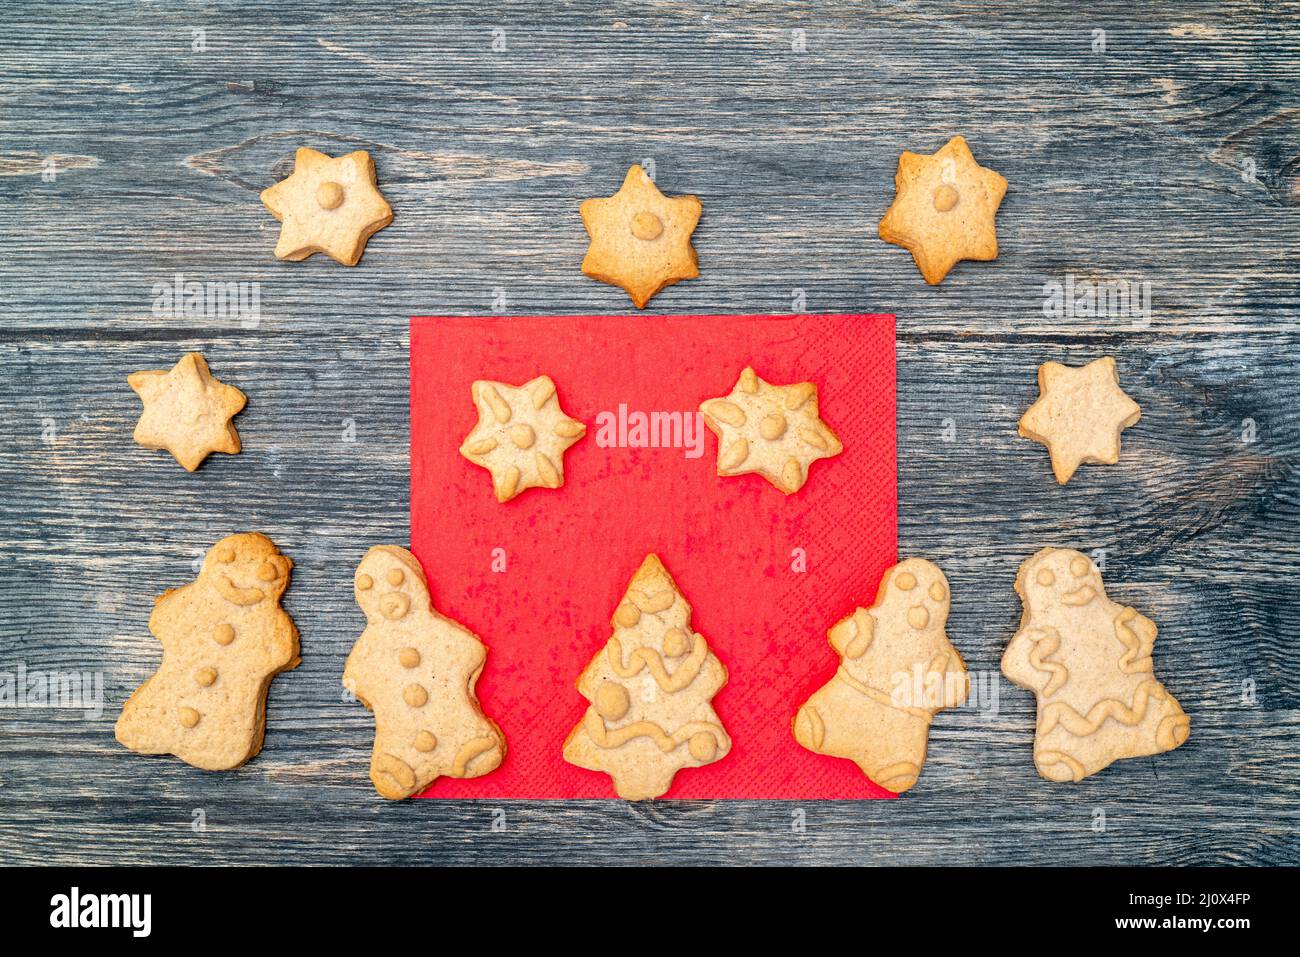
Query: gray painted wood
[{"x": 1173, "y": 157}]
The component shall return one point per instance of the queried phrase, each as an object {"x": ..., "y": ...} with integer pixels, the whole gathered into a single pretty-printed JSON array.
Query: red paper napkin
[{"x": 732, "y": 544}]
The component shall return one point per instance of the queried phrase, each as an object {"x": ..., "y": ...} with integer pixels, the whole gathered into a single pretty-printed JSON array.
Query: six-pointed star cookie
[
  {"x": 187, "y": 411},
  {"x": 521, "y": 435},
  {"x": 328, "y": 206},
  {"x": 943, "y": 209},
  {"x": 640, "y": 238},
  {"x": 1079, "y": 415},
  {"x": 774, "y": 430}
]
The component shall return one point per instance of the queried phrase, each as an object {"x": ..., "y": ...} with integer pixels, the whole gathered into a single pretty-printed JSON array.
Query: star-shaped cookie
[
  {"x": 1079, "y": 415},
  {"x": 774, "y": 430},
  {"x": 640, "y": 238},
  {"x": 521, "y": 435},
  {"x": 943, "y": 209},
  {"x": 187, "y": 411},
  {"x": 328, "y": 206}
]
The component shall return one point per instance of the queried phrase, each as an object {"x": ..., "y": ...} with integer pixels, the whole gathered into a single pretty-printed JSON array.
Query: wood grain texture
[{"x": 1173, "y": 157}]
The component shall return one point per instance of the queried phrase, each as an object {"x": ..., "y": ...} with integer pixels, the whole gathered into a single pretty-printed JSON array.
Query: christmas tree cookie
[
  {"x": 650, "y": 690},
  {"x": 224, "y": 637},
  {"x": 897, "y": 670},
  {"x": 1088, "y": 661},
  {"x": 416, "y": 670}
]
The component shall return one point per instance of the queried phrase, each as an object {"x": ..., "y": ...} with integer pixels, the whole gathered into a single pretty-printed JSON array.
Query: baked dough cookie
[
  {"x": 187, "y": 411},
  {"x": 416, "y": 670},
  {"x": 774, "y": 430},
  {"x": 327, "y": 205},
  {"x": 650, "y": 690},
  {"x": 1088, "y": 661},
  {"x": 521, "y": 435},
  {"x": 640, "y": 238},
  {"x": 224, "y": 637},
  {"x": 897, "y": 670},
  {"x": 1079, "y": 415},
  {"x": 944, "y": 208}
]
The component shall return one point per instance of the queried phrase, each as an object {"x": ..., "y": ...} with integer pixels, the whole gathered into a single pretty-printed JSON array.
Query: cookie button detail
[
  {"x": 329, "y": 195},
  {"x": 205, "y": 676},
  {"x": 702, "y": 746},
  {"x": 647, "y": 226},
  {"x": 223, "y": 634},
  {"x": 945, "y": 198},
  {"x": 395, "y": 577},
  {"x": 1045, "y": 577},
  {"x": 905, "y": 580},
  {"x": 189, "y": 717},
  {"x": 612, "y": 701},
  {"x": 918, "y": 617},
  {"x": 408, "y": 657},
  {"x": 266, "y": 572},
  {"x": 772, "y": 427},
  {"x": 415, "y": 696},
  {"x": 627, "y": 614},
  {"x": 425, "y": 741},
  {"x": 675, "y": 643},
  {"x": 365, "y": 583},
  {"x": 1079, "y": 566},
  {"x": 394, "y": 605}
]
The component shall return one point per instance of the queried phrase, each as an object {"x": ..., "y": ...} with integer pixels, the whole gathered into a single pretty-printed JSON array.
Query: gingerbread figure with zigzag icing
[
  {"x": 1088, "y": 661},
  {"x": 650, "y": 689}
]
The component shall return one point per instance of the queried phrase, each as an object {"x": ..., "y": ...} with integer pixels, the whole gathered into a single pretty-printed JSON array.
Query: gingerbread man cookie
[
  {"x": 224, "y": 637},
  {"x": 640, "y": 238},
  {"x": 327, "y": 205},
  {"x": 1079, "y": 415},
  {"x": 1088, "y": 661},
  {"x": 521, "y": 435},
  {"x": 650, "y": 690},
  {"x": 187, "y": 411},
  {"x": 897, "y": 670},
  {"x": 774, "y": 430},
  {"x": 416, "y": 670},
  {"x": 944, "y": 209}
]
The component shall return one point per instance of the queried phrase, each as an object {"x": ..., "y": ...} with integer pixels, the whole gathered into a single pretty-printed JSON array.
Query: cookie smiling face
[
  {"x": 387, "y": 584},
  {"x": 1061, "y": 577},
  {"x": 246, "y": 570}
]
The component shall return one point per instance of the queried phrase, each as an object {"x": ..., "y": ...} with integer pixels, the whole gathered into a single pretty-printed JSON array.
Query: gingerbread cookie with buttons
[
  {"x": 897, "y": 670},
  {"x": 521, "y": 435},
  {"x": 640, "y": 238},
  {"x": 224, "y": 637},
  {"x": 650, "y": 689},
  {"x": 1087, "y": 660},
  {"x": 774, "y": 430},
  {"x": 328, "y": 205},
  {"x": 187, "y": 411},
  {"x": 1079, "y": 415},
  {"x": 416, "y": 670},
  {"x": 944, "y": 208}
]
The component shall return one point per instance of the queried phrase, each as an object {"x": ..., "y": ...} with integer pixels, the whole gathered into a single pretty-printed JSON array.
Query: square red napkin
[{"x": 538, "y": 578}]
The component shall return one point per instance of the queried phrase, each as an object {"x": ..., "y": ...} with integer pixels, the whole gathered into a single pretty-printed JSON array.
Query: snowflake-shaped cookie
[
  {"x": 774, "y": 430},
  {"x": 521, "y": 435}
]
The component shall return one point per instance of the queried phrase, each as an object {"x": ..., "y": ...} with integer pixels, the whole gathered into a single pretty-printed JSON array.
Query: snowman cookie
[
  {"x": 224, "y": 637},
  {"x": 1088, "y": 661},
  {"x": 897, "y": 670},
  {"x": 416, "y": 670}
]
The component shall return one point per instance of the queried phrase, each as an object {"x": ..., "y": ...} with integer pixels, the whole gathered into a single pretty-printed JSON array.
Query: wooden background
[{"x": 1170, "y": 156}]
